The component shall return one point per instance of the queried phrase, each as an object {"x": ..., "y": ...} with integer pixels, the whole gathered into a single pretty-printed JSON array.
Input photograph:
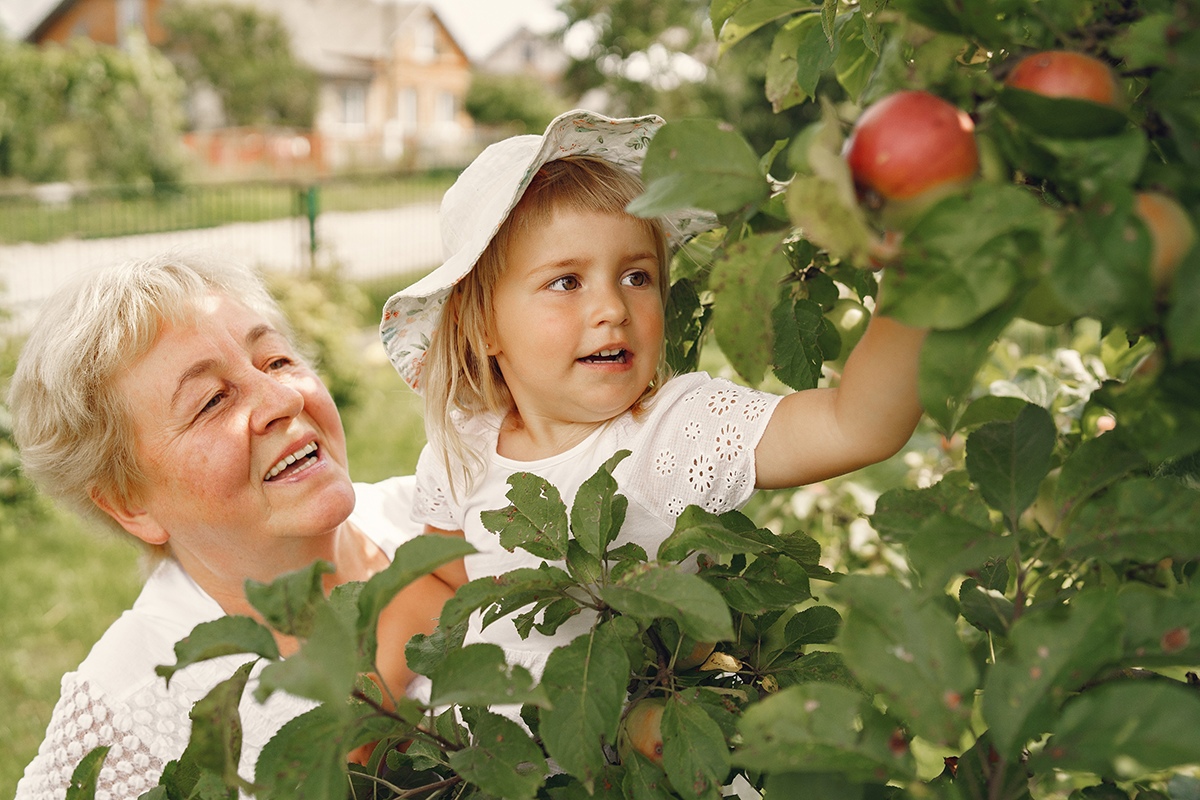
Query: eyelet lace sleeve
[{"x": 143, "y": 735}]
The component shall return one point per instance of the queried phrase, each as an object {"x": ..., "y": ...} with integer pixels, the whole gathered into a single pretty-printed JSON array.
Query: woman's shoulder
[{"x": 383, "y": 510}]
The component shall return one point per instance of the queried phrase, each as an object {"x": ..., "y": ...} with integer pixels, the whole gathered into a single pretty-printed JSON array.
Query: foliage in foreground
[{"x": 1042, "y": 635}]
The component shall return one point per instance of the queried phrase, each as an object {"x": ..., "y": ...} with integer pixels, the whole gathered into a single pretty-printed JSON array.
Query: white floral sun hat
[{"x": 474, "y": 208}]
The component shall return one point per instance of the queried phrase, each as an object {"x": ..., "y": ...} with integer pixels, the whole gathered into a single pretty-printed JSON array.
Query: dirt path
[{"x": 367, "y": 244}]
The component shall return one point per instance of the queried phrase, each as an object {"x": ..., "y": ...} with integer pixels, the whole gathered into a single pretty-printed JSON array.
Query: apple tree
[{"x": 1008, "y": 172}]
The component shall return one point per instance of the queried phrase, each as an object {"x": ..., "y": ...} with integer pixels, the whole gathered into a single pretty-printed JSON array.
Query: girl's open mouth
[{"x": 606, "y": 357}]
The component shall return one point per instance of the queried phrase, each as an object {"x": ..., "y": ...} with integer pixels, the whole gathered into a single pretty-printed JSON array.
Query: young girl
[{"x": 538, "y": 345}]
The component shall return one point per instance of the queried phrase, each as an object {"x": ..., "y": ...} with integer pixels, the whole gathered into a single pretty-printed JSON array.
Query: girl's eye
[
  {"x": 639, "y": 278},
  {"x": 564, "y": 284}
]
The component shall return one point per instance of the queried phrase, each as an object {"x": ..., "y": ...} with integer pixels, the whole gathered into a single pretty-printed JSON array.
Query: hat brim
[{"x": 492, "y": 185}]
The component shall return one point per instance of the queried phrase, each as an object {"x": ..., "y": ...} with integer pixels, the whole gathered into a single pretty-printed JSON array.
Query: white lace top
[
  {"x": 114, "y": 698},
  {"x": 693, "y": 445}
]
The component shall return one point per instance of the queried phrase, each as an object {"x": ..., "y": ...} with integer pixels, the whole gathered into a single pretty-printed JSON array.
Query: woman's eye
[
  {"x": 564, "y": 284},
  {"x": 638, "y": 278},
  {"x": 279, "y": 363},
  {"x": 213, "y": 402}
]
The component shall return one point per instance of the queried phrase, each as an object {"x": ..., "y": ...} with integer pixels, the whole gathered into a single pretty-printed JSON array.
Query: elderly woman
[{"x": 166, "y": 398}]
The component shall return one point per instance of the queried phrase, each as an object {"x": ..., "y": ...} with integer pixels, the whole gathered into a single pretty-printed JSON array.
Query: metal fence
[{"x": 370, "y": 226}]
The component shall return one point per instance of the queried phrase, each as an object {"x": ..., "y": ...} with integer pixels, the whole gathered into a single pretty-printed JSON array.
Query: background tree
[
  {"x": 89, "y": 112},
  {"x": 520, "y": 103},
  {"x": 245, "y": 56}
]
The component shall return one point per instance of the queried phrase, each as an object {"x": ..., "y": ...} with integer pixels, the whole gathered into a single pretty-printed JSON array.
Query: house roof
[
  {"x": 337, "y": 38},
  {"x": 340, "y": 37}
]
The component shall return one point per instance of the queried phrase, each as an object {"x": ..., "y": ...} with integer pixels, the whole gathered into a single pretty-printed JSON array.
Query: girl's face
[{"x": 578, "y": 317}]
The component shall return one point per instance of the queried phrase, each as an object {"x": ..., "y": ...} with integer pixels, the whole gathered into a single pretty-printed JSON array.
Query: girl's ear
[{"x": 130, "y": 516}]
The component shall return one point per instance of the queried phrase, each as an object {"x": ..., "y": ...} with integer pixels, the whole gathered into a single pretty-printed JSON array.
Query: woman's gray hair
[{"x": 73, "y": 430}]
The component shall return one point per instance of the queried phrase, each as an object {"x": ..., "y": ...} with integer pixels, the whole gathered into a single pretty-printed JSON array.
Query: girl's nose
[
  {"x": 610, "y": 306},
  {"x": 273, "y": 400}
]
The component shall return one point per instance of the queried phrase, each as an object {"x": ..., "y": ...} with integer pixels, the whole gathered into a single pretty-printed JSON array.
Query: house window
[
  {"x": 406, "y": 108},
  {"x": 424, "y": 41},
  {"x": 354, "y": 104},
  {"x": 445, "y": 108}
]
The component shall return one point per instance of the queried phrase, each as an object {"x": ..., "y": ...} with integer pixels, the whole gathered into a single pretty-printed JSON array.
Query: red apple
[
  {"x": 1172, "y": 235},
  {"x": 908, "y": 150},
  {"x": 1061, "y": 73}
]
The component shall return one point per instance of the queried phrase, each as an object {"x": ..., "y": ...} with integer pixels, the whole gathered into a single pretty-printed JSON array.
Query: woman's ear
[{"x": 130, "y": 516}]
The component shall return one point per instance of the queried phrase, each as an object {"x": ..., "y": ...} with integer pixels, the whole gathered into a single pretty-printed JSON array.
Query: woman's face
[{"x": 240, "y": 443}]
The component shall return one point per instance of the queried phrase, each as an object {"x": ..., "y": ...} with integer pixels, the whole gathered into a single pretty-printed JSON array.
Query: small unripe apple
[
  {"x": 641, "y": 730},
  {"x": 908, "y": 150},
  {"x": 1172, "y": 235},
  {"x": 1061, "y": 73}
]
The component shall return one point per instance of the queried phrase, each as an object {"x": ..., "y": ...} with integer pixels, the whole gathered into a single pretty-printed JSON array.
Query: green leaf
[
  {"x": 949, "y": 361},
  {"x": 1092, "y": 466},
  {"x": 585, "y": 681},
  {"x": 747, "y": 280},
  {"x": 228, "y": 635},
  {"x": 900, "y": 513},
  {"x": 734, "y": 20},
  {"x": 1102, "y": 268},
  {"x": 526, "y": 582},
  {"x": 288, "y": 604},
  {"x": 412, "y": 560},
  {"x": 215, "y": 743},
  {"x": 815, "y": 625},
  {"x": 700, "y": 531},
  {"x": 695, "y": 753},
  {"x": 699, "y": 163},
  {"x": 1128, "y": 729},
  {"x": 83, "y": 777},
  {"x": 325, "y": 667},
  {"x": 768, "y": 584},
  {"x": 687, "y": 321},
  {"x": 858, "y": 53},
  {"x": 946, "y": 546},
  {"x": 1008, "y": 460},
  {"x": 798, "y": 354},
  {"x": 306, "y": 757},
  {"x": 819, "y": 666},
  {"x": 502, "y": 760},
  {"x": 1062, "y": 117},
  {"x": 907, "y": 648},
  {"x": 598, "y": 512},
  {"x": 1161, "y": 629},
  {"x": 987, "y": 609},
  {"x": 478, "y": 675},
  {"x": 814, "y": 50},
  {"x": 782, "y": 87},
  {"x": 424, "y": 653},
  {"x": 1141, "y": 519},
  {"x": 536, "y": 521},
  {"x": 819, "y": 727},
  {"x": 1051, "y": 653},
  {"x": 651, "y": 592}
]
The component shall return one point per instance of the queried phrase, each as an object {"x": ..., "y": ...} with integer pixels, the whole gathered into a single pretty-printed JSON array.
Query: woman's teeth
[{"x": 292, "y": 458}]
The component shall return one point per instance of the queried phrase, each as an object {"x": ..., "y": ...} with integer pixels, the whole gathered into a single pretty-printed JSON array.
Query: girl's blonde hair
[
  {"x": 460, "y": 378},
  {"x": 74, "y": 430}
]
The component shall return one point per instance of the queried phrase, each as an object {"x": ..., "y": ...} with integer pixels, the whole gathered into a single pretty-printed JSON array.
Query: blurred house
[
  {"x": 393, "y": 80},
  {"x": 527, "y": 53}
]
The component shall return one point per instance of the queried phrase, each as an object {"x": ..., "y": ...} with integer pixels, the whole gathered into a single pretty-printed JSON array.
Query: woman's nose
[{"x": 273, "y": 400}]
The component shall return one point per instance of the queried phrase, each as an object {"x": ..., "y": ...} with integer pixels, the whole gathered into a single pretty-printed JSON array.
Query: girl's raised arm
[{"x": 817, "y": 434}]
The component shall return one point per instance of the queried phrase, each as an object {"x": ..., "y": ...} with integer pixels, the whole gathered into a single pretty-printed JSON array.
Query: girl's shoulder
[{"x": 693, "y": 392}]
